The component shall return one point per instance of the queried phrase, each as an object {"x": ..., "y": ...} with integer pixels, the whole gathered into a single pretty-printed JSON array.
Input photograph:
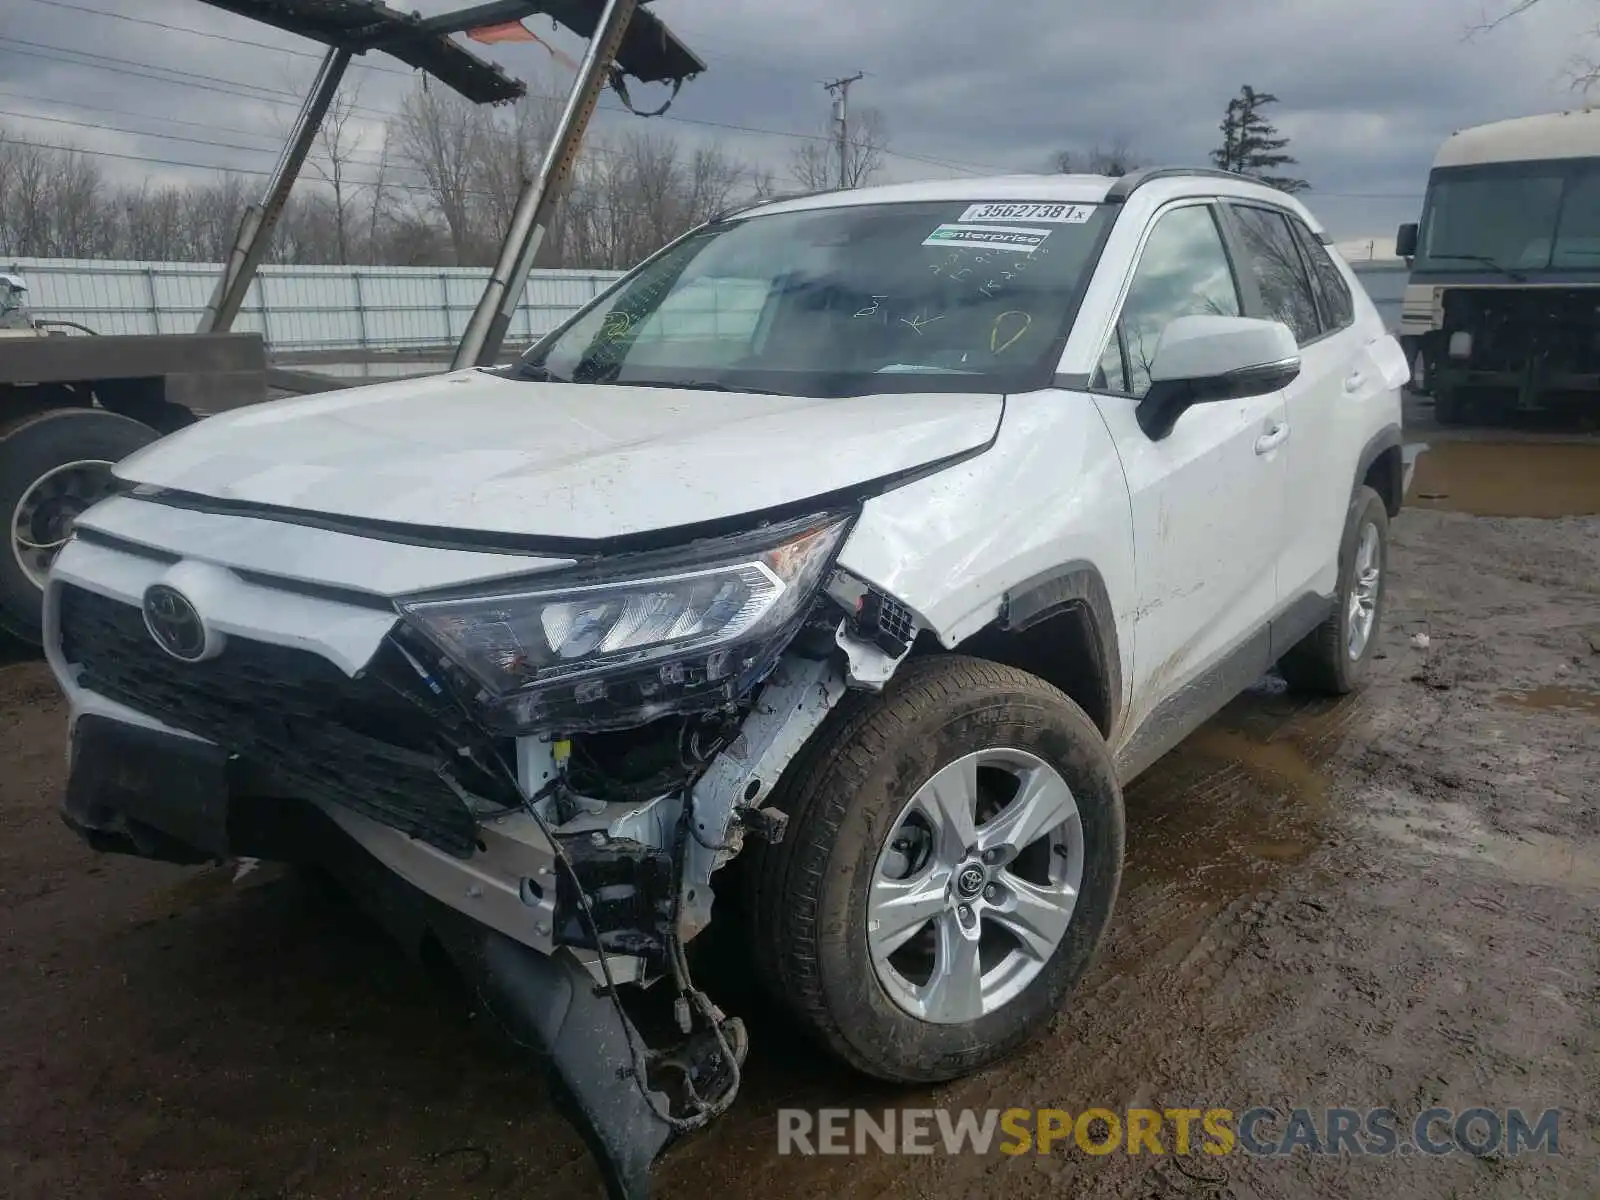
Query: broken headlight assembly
[{"x": 636, "y": 637}]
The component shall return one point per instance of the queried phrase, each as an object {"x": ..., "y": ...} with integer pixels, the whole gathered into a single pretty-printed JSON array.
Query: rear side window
[
  {"x": 1280, "y": 272},
  {"x": 1333, "y": 293}
]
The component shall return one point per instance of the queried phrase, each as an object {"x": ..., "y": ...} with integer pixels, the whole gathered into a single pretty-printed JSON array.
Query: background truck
[
  {"x": 72, "y": 404},
  {"x": 1502, "y": 310}
]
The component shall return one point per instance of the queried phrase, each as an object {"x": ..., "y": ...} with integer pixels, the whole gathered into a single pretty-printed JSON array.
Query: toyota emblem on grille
[{"x": 174, "y": 623}]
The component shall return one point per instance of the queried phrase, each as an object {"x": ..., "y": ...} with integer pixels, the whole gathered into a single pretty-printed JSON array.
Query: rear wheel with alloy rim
[
  {"x": 1334, "y": 657},
  {"x": 952, "y": 858}
]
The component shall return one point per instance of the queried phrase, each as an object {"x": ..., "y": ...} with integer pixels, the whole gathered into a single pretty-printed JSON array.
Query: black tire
[
  {"x": 1321, "y": 663},
  {"x": 808, "y": 893},
  {"x": 29, "y": 450}
]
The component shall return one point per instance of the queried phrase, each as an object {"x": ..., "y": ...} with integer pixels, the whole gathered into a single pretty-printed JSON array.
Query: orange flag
[{"x": 516, "y": 31}]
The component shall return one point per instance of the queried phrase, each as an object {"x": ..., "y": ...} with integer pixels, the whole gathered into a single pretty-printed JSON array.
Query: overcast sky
[{"x": 1367, "y": 88}]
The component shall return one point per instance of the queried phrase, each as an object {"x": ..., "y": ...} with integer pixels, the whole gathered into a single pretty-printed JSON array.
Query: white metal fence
[
  {"x": 363, "y": 309},
  {"x": 298, "y": 308}
]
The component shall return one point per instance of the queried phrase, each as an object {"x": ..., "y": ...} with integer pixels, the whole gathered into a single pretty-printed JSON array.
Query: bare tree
[
  {"x": 1582, "y": 69},
  {"x": 26, "y": 227},
  {"x": 1114, "y": 159},
  {"x": 509, "y": 153},
  {"x": 338, "y": 141},
  {"x": 77, "y": 212},
  {"x": 815, "y": 163},
  {"x": 627, "y": 197},
  {"x": 151, "y": 223},
  {"x": 378, "y": 199},
  {"x": 762, "y": 183},
  {"x": 441, "y": 137},
  {"x": 211, "y": 214}
]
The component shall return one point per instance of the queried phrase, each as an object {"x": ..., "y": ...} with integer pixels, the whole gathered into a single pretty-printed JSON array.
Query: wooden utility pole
[{"x": 839, "y": 89}]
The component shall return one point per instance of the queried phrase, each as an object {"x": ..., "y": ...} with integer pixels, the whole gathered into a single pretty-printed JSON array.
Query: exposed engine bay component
[
  {"x": 614, "y": 1090},
  {"x": 629, "y": 889},
  {"x": 796, "y": 698},
  {"x": 877, "y": 632}
]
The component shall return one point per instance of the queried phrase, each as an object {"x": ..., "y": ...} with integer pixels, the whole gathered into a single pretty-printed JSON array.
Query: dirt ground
[{"x": 1388, "y": 901}]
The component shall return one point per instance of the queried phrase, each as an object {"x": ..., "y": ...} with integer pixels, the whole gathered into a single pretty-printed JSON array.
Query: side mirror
[
  {"x": 1202, "y": 359},
  {"x": 1405, "y": 241}
]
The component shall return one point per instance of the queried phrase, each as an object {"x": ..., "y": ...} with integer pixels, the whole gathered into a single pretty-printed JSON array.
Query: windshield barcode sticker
[
  {"x": 998, "y": 237},
  {"x": 1054, "y": 214}
]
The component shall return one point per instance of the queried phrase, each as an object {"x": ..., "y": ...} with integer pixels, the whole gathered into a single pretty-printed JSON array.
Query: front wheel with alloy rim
[
  {"x": 53, "y": 466},
  {"x": 1334, "y": 657},
  {"x": 952, "y": 858}
]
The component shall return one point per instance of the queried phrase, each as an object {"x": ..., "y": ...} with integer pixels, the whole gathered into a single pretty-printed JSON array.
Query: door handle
[
  {"x": 1354, "y": 381},
  {"x": 1273, "y": 438}
]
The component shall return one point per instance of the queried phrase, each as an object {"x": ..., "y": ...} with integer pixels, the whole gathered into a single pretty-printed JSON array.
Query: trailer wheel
[{"x": 52, "y": 466}]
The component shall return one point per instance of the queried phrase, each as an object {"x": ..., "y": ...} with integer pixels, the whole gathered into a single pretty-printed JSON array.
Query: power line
[
  {"x": 207, "y": 125},
  {"x": 220, "y": 37},
  {"x": 169, "y": 137},
  {"x": 928, "y": 160},
  {"x": 173, "y": 162},
  {"x": 209, "y": 83},
  {"x": 318, "y": 152},
  {"x": 353, "y": 181},
  {"x": 112, "y": 59},
  {"x": 205, "y": 83},
  {"x": 144, "y": 158}
]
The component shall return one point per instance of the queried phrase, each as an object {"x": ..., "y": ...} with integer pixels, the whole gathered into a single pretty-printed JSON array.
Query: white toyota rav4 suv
[{"x": 873, "y": 539}]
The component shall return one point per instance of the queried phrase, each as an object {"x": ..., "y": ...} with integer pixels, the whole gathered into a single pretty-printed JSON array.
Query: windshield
[
  {"x": 1512, "y": 218},
  {"x": 933, "y": 296}
]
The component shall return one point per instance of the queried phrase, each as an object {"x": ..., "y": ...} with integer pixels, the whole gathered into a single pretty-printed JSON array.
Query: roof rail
[
  {"x": 744, "y": 206},
  {"x": 1131, "y": 182}
]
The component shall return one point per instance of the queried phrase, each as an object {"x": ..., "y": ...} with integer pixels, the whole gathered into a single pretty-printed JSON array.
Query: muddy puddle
[
  {"x": 1225, "y": 813},
  {"x": 1453, "y": 830},
  {"x": 1570, "y": 699},
  {"x": 1509, "y": 479}
]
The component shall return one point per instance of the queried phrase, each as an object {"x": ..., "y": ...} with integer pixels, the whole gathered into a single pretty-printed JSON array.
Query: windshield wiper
[
  {"x": 696, "y": 385},
  {"x": 1486, "y": 261}
]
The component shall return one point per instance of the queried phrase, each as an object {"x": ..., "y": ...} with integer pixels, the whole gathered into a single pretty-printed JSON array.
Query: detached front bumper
[
  {"x": 159, "y": 795},
  {"x": 297, "y": 769}
]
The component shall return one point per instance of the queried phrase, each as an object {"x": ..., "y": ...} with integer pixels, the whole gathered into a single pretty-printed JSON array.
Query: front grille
[{"x": 289, "y": 714}]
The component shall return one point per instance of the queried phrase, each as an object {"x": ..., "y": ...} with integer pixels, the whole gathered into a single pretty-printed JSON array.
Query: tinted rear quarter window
[
  {"x": 1333, "y": 293},
  {"x": 1280, "y": 273}
]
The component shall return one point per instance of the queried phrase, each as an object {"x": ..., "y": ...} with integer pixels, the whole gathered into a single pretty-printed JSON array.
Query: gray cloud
[{"x": 1368, "y": 89}]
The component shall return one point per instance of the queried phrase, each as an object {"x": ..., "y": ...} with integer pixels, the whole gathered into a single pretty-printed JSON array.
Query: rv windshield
[
  {"x": 930, "y": 296},
  {"x": 1512, "y": 218}
]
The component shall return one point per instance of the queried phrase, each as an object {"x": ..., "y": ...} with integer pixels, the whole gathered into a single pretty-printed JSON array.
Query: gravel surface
[{"x": 1387, "y": 901}]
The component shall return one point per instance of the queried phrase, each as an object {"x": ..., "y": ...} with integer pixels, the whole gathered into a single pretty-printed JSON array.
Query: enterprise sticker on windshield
[
  {"x": 1054, "y": 214},
  {"x": 998, "y": 237}
]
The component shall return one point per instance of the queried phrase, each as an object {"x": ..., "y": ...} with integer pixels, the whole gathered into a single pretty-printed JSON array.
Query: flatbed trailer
[{"x": 72, "y": 405}]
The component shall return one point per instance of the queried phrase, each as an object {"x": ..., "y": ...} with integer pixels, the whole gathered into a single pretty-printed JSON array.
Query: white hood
[{"x": 474, "y": 451}]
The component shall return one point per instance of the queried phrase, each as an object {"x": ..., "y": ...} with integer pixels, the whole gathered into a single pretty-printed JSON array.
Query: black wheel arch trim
[
  {"x": 1387, "y": 438},
  {"x": 1075, "y": 585}
]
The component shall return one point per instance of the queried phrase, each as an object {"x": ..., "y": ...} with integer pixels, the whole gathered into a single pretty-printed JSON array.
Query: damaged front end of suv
[{"x": 540, "y": 776}]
